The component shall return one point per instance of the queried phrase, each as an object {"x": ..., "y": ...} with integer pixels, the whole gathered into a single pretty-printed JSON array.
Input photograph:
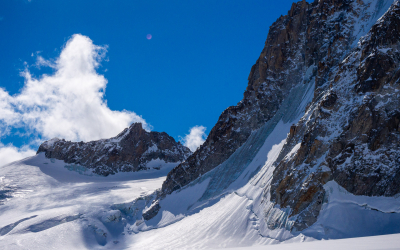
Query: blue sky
[{"x": 195, "y": 65}]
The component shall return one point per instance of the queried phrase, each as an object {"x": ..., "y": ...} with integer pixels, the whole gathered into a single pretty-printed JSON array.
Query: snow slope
[
  {"x": 215, "y": 212},
  {"x": 383, "y": 242},
  {"x": 51, "y": 207},
  {"x": 45, "y": 205}
]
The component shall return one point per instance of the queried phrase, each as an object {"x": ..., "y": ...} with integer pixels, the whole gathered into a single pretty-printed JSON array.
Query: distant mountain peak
[{"x": 131, "y": 150}]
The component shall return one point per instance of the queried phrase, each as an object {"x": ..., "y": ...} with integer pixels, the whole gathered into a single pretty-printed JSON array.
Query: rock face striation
[
  {"x": 131, "y": 150},
  {"x": 349, "y": 50}
]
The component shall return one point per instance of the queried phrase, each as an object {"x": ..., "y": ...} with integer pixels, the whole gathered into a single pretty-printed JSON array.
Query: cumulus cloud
[
  {"x": 195, "y": 138},
  {"x": 67, "y": 104},
  {"x": 10, "y": 153}
]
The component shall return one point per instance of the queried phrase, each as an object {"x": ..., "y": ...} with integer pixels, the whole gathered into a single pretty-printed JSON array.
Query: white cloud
[
  {"x": 10, "y": 153},
  {"x": 195, "y": 138},
  {"x": 40, "y": 61},
  {"x": 68, "y": 103}
]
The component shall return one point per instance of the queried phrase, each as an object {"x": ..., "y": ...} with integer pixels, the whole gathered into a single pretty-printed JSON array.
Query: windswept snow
[
  {"x": 382, "y": 242},
  {"x": 47, "y": 206}
]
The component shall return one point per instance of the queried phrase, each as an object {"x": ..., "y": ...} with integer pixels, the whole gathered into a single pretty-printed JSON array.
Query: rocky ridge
[
  {"x": 132, "y": 150},
  {"x": 349, "y": 132}
]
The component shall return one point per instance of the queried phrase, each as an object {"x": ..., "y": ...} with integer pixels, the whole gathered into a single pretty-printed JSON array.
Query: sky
[{"x": 85, "y": 70}]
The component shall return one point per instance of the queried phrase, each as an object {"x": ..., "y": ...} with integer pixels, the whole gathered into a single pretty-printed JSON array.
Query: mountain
[
  {"x": 311, "y": 152},
  {"x": 328, "y": 74},
  {"x": 133, "y": 149}
]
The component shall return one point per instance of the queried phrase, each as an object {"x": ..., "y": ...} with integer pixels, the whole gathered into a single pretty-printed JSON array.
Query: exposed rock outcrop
[{"x": 129, "y": 151}]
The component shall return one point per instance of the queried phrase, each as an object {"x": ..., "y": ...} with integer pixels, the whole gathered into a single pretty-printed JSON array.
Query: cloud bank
[
  {"x": 195, "y": 138},
  {"x": 10, "y": 153},
  {"x": 68, "y": 103}
]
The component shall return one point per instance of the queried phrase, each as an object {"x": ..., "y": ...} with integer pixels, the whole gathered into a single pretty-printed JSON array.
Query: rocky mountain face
[
  {"x": 299, "y": 46},
  {"x": 278, "y": 69},
  {"x": 349, "y": 132},
  {"x": 131, "y": 150}
]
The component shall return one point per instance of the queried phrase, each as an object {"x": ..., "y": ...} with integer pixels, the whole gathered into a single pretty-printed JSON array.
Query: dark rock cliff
[
  {"x": 129, "y": 151},
  {"x": 278, "y": 69},
  {"x": 299, "y": 46},
  {"x": 349, "y": 132}
]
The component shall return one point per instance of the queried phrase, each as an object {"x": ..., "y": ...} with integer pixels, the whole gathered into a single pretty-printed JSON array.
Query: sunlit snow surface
[
  {"x": 45, "y": 205},
  {"x": 50, "y": 207}
]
